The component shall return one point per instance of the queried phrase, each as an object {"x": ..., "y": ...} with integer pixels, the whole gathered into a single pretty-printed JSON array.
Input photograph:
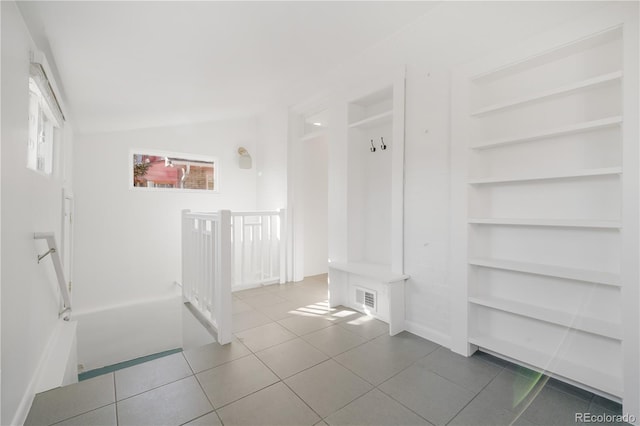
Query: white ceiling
[{"x": 139, "y": 64}]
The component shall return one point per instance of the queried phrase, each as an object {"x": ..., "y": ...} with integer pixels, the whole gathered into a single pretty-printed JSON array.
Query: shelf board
[
  {"x": 566, "y": 223},
  {"x": 558, "y": 131},
  {"x": 566, "y": 319},
  {"x": 599, "y": 379},
  {"x": 562, "y": 90},
  {"x": 586, "y": 275},
  {"x": 577, "y": 174},
  {"x": 374, "y": 120},
  {"x": 312, "y": 135},
  {"x": 378, "y": 272}
]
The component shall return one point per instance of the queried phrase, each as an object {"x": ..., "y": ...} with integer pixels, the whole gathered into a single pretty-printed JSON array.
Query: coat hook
[
  {"x": 382, "y": 145},
  {"x": 373, "y": 148}
]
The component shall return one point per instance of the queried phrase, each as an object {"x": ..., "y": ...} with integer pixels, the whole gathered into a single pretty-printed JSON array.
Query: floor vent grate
[{"x": 366, "y": 298}]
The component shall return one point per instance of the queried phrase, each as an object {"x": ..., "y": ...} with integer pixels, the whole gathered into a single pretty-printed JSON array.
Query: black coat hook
[
  {"x": 373, "y": 148},
  {"x": 382, "y": 145}
]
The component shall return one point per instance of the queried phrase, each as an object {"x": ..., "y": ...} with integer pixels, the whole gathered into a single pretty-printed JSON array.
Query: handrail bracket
[
  {"x": 64, "y": 311},
  {"x": 48, "y": 252},
  {"x": 49, "y": 237}
]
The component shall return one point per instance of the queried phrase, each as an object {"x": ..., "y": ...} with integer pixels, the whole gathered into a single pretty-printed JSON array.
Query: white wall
[
  {"x": 270, "y": 159},
  {"x": 315, "y": 157},
  {"x": 30, "y": 202},
  {"x": 127, "y": 241}
]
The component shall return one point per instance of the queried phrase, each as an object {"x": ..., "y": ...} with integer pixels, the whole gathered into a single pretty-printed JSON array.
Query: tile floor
[{"x": 296, "y": 362}]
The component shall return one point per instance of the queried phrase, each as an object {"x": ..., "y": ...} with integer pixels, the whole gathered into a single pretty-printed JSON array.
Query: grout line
[
  {"x": 249, "y": 394},
  {"x": 478, "y": 394},
  {"x": 80, "y": 414},
  {"x": 402, "y": 404},
  {"x": 303, "y": 401},
  {"x": 193, "y": 373},
  {"x": 115, "y": 396},
  {"x": 394, "y": 375},
  {"x": 289, "y": 387},
  {"x": 205, "y": 394},
  {"x": 224, "y": 363},
  {"x": 195, "y": 418},
  {"x": 156, "y": 387}
]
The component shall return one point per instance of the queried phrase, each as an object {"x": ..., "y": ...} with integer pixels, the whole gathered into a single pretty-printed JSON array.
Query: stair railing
[
  {"x": 206, "y": 268},
  {"x": 225, "y": 251}
]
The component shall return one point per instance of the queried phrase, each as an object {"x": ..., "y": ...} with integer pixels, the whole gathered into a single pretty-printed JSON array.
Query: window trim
[{"x": 195, "y": 157}]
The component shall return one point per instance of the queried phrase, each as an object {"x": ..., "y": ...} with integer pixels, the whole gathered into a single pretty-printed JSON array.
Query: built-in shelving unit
[
  {"x": 374, "y": 120},
  {"x": 541, "y": 140},
  {"x": 586, "y": 275},
  {"x": 374, "y": 178},
  {"x": 570, "y": 129},
  {"x": 563, "y": 90},
  {"x": 550, "y": 363},
  {"x": 560, "y": 175},
  {"x": 567, "y": 319}
]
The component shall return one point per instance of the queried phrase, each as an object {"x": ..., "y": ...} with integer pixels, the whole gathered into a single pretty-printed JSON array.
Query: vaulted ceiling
[{"x": 139, "y": 64}]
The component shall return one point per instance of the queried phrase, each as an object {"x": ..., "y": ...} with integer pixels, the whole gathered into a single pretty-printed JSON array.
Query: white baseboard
[
  {"x": 25, "y": 403},
  {"x": 41, "y": 373},
  {"x": 428, "y": 333},
  {"x": 249, "y": 286}
]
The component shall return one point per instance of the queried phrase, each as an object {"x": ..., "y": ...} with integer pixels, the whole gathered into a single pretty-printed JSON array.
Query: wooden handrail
[{"x": 57, "y": 265}]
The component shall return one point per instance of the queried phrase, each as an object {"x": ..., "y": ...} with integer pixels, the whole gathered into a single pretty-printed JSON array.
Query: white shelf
[
  {"x": 560, "y": 52},
  {"x": 381, "y": 273},
  {"x": 558, "y": 131},
  {"x": 577, "y": 174},
  {"x": 567, "y": 223},
  {"x": 562, "y": 90},
  {"x": 604, "y": 278},
  {"x": 589, "y": 325},
  {"x": 599, "y": 379},
  {"x": 374, "y": 120},
  {"x": 312, "y": 135}
]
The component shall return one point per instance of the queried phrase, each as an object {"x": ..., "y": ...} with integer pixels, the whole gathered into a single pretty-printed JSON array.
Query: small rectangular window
[{"x": 171, "y": 171}]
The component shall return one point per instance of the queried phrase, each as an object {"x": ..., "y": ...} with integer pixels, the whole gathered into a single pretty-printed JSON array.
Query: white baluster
[
  {"x": 223, "y": 289},
  {"x": 282, "y": 246}
]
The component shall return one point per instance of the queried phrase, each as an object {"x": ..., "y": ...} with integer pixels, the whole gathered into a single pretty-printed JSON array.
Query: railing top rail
[
  {"x": 43, "y": 236},
  {"x": 202, "y": 215},
  {"x": 215, "y": 215},
  {"x": 261, "y": 213}
]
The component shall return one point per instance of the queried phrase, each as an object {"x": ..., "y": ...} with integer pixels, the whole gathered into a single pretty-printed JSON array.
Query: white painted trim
[
  {"x": 397, "y": 172},
  {"x": 458, "y": 222},
  {"x": 176, "y": 294},
  {"x": 428, "y": 333},
  {"x": 40, "y": 58},
  {"x": 629, "y": 269},
  {"x": 67, "y": 195}
]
